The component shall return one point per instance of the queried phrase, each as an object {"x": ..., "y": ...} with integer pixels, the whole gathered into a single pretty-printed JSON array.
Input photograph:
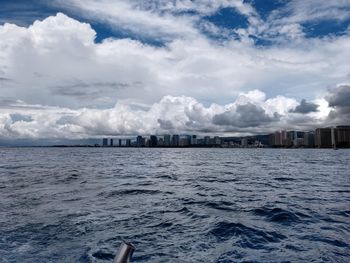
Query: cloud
[
  {"x": 340, "y": 96},
  {"x": 4, "y": 79},
  {"x": 163, "y": 20},
  {"x": 56, "y": 75},
  {"x": 301, "y": 11},
  {"x": 89, "y": 91},
  {"x": 247, "y": 115},
  {"x": 133, "y": 16},
  {"x": 339, "y": 100},
  {"x": 203, "y": 7},
  {"x": 294, "y": 20},
  {"x": 305, "y": 107},
  {"x": 250, "y": 113},
  {"x": 57, "y": 62},
  {"x": 166, "y": 125}
]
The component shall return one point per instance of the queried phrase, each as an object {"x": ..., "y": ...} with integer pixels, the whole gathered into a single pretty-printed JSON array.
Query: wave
[
  {"x": 284, "y": 179},
  {"x": 245, "y": 236},
  {"x": 129, "y": 192},
  {"x": 279, "y": 215},
  {"x": 327, "y": 240},
  {"x": 222, "y": 205},
  {"x": 103, "y": 255}
]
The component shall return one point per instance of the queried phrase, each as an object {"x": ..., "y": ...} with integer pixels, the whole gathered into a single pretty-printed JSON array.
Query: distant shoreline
[{"x": 165, "y": 147}]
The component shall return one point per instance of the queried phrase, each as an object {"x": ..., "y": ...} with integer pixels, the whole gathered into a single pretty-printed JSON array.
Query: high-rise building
[
  {"x": 167, "y": 141},
  {"x": 111, "y": 143},
  {"x": 194, "y": 140},
  {"x": 333, "y": 137},
  {"x": 278, "y": 138},
  {"x": 185, "y": 141},
  {"x": 342, "y": 135},
  {"x": 298, "y": 139},
  {"x": 309, "y": 139},
  {"x": 290, "y": 138},
  {"x": 323, "y": 137},
  {"x": 207, "y": 140},
  {"x": 298, "y": 142},
  {"x": 244, "y": 142},
  {"x": 127, "y": 142},
  {"x": 217, "y": 140},
  {"x": 271, "y": 140},
  {"x": 160, "y": 142},
  {"x": 175, "y": 140},
  {"x": 153, "y": 141},
  {"x": 139, "y": 141},
  {"x": 300, "y": 134},
  {"x": 104, "y": 142},
  {"x": 284, "y": 138},
  {"x": 120, "y": 143}
]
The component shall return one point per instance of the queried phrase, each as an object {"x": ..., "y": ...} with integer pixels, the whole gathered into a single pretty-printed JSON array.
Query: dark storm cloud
[
  {"x": 247, "y": 115},
  {"x": 305, "y": 107},
  {"x": 339, "y": 100},
  {"x": 82, "y": 89},
  {"x": 165, "y": 124},
  {"x": 339, "y": 97},
  {"x": 4, "y": 80},
  {"x": 6, "y": 102}
]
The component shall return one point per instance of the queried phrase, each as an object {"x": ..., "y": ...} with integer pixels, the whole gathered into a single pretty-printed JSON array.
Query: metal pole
[{"x": 125, "y": 252}]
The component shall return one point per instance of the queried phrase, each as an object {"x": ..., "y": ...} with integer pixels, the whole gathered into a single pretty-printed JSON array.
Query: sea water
[{"x": 174, "y": 205}]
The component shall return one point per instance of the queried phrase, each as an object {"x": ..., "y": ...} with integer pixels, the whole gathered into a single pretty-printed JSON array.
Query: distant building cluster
[
  {"x": 292, "y": 139},
  {"x": 165, "y": 141},
  {"x": 330, "y": 137}
]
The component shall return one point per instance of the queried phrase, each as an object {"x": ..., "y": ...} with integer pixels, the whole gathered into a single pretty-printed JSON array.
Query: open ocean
[{"x": 174, "y": 205}]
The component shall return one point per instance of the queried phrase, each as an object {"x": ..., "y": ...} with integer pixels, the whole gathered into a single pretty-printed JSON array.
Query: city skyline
[
  {"x": 326, "y": 137},
  {"x": 279, "y": 138},
  {"x": 79, "y": 69}
]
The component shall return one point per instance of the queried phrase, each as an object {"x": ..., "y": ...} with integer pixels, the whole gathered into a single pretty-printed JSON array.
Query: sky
[{"x": 79, "y": 69}]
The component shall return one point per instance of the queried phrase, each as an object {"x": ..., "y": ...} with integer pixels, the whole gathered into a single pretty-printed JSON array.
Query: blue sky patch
[
  {"x": 104, "y": 31},
  {"x": 259, "y": 41},
  {"x": 23, "y": 12},
  {"x": 325, "y": 27},
  {"x": 265, "y": 7},
  {"x": 20, "y": 117},
  {"x": 228, "y": 18}
]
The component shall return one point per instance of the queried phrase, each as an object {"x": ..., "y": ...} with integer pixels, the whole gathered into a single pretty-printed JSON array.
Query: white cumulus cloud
[{"x": 61, "y": 83}]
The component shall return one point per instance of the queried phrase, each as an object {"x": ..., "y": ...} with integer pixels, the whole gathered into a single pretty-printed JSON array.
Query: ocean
[{"x": 174, "y": 205}]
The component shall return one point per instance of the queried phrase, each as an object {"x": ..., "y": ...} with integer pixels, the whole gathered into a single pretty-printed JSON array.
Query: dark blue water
[{"x": 175, "y": 205}]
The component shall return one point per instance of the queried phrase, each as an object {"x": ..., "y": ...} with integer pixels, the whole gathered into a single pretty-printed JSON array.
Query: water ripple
[{"x": 175, "y": 205}]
